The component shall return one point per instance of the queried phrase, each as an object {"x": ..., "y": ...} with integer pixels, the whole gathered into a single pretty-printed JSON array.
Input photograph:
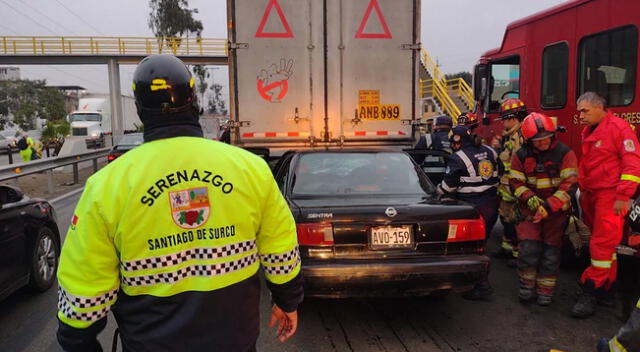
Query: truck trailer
[
  {"x": 92, "y": 120},
  {"x": 318, "y": 74}
]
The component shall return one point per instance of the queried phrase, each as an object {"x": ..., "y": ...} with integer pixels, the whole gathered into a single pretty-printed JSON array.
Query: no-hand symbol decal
[
  {"x": 260, "y": 33},
  {"x": 273, "y": 82},
  {"x": 373, "y": 4}
]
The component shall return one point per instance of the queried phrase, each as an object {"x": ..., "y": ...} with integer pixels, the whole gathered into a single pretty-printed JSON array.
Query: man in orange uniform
[
  {"x": 543, "y": 176},
  {"x": 609, "y": 174}
]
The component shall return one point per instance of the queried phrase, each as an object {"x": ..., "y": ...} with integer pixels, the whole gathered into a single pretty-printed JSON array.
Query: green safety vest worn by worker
[
  {"x": 26, "y": 154},
  {"x": 170, "y": 237}
]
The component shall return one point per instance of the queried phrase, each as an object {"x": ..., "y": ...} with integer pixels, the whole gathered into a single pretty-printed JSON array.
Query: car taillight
[
  {"x": 113, "y": 156},
  {"x": 466, "y": 230},
  {"x": 315, "y": 234}
]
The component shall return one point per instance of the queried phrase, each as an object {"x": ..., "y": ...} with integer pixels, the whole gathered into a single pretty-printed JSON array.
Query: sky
[{"x": 455, "y": 32}]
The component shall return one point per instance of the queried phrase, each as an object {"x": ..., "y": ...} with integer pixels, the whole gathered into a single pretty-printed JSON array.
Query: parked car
[
  {"x": 370, "y": 223},
  {"x": 128, "y": 142},
  {"x": 29, "y": 242},
  {"x": 4, "y": 144}
]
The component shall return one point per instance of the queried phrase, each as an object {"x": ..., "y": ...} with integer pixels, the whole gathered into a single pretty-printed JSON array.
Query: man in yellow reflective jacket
[{"x": 170, "y": 236}]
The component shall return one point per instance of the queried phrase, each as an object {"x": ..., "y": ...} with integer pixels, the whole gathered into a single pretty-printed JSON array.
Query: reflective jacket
[
  {"x": 550, "y": 175},
  {"x": 438, "y": 140},
  {"x": 26, "y": 153},
  {"x": 472, "y": 173},
  {"x": 610, "y": 158},
  {"x": 170, "y": 238},
  {"x": 510, "y": 144}
]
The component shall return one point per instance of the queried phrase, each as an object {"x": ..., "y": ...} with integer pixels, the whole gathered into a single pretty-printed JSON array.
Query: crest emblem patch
[
  {"x": 190, "y": 207},
  {"x": 485, "y": 168},
  {"x": 629, "y": 145}
]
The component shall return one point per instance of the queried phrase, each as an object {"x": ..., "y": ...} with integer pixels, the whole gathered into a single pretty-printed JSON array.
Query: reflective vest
[
  {"x": 472, "y": 173},
  {"x": 510, "y": 144},
  {"x": 27, "y": 152},
  {"x": 169, "y": 233}
]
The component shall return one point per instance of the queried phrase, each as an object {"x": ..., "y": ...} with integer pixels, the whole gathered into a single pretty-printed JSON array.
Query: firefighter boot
[
  {"x": 482, "y": 289},
  {"x": 585, "y": 306},
  {"x": 528, "y": 258},
  {"x": 547, "y": 273}
]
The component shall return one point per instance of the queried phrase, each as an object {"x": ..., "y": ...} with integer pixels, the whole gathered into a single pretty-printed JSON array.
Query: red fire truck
[{"x": 550, "y": 58}]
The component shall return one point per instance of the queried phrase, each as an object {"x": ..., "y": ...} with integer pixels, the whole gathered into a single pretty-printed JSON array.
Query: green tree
[
  {"x": 171, "y": 19},
  {"x": 55, "y": 130},
  {"x": 202, "y": 74},
  {"x": 22, "y": 101},
  {"x": 466, "y": 76},
  {"x": 216, "y": 104}
]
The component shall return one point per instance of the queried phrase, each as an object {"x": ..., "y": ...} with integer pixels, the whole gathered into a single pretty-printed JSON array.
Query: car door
[{"x": 13, "y": 265}]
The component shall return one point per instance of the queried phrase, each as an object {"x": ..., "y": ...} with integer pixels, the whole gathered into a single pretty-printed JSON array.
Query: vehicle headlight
[{"x": 94, "y": 134}]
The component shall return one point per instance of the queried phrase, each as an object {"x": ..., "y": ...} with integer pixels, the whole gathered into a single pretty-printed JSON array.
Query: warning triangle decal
[
  {"x": 260, "y": 33},
  {"x": 385, "y": 35}
]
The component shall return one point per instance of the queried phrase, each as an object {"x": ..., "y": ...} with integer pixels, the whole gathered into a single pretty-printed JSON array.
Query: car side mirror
[{"x": 10, "y": 194}]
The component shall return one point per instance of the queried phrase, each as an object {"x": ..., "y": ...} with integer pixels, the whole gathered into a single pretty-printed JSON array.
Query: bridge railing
[{"x": 47, "y": 45}]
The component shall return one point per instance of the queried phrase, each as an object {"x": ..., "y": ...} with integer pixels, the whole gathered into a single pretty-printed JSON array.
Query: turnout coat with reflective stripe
[
  {"x": 550, "y": 175},
  {"x": 170, "y": 237},
  {"x": 610, "y": 158},
  {"x": 472, "y": 173}
]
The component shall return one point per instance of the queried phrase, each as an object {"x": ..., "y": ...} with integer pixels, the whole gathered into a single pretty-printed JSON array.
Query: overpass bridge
[
  {"x": 112, "y": 51},
  {"x": 20, "y": 50}
]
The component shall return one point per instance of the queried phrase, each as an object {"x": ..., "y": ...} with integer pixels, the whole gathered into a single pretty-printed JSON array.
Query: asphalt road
[{"x": 28, "y": 323}]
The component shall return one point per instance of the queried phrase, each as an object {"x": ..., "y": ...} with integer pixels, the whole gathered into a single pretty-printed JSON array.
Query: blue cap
[{"x": 444, "y": 120}]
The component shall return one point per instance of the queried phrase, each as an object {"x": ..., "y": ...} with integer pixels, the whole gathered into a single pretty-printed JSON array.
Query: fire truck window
[
  {"x": 505, "y": 77},
  {"x": 555, "y": 61},
  {"x": 608, "y": 65}
]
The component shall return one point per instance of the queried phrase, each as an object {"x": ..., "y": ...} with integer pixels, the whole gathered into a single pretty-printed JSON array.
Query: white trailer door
[
  {"x": 278, "y": 47},
  {"x": 372, "y": 68}
]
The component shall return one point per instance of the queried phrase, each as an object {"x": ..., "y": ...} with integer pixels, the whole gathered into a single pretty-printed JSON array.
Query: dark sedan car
[
  {"x": 29, "y": 242},
  {"x": 128, "y": 142},
  {"x": 369, "y": 223}
]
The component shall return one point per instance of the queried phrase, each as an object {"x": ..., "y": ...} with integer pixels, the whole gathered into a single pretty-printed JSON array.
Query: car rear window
[{"x": 336, "y": 174}]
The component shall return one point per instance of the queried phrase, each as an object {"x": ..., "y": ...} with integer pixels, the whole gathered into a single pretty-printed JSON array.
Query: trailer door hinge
[
  {"x": 236, "y": 124},
  {"x": 410, "y": 46},
  {"x": 238, "y": 46},
  {"x": 411, "y": 122}
]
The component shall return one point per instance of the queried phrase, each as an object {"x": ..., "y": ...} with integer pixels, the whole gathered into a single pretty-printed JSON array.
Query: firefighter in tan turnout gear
[
  {"x": 170, "y": 237},
  {"x": 512, "y": 112}
]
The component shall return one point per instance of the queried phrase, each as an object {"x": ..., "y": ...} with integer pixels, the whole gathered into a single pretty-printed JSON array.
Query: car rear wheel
[{"x": 44, "y": 260}]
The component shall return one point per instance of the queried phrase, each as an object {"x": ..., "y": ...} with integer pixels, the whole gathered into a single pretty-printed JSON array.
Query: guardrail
[
  {"x": 48, "y": 165},
  {"x": 462, "y": 89},
  {"x": 431, "y": 87},
  {"x": 49, "y": 45},
  {"x": 441, "y": 85}
]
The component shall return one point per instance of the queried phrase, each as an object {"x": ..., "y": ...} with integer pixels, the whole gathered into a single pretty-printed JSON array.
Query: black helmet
[
  {"x": 460, "y": 135},
  {"x": 162, "y": 84}
]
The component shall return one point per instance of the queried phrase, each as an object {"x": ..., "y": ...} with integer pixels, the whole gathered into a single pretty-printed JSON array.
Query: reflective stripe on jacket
[
  {"x": 171, "y": 235},
  {"x": 472, "y": 172},
  {"x": 610, "y": 158},
  {"x": 511, "y": 143},
  {"x": 550, "y": 175}
]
